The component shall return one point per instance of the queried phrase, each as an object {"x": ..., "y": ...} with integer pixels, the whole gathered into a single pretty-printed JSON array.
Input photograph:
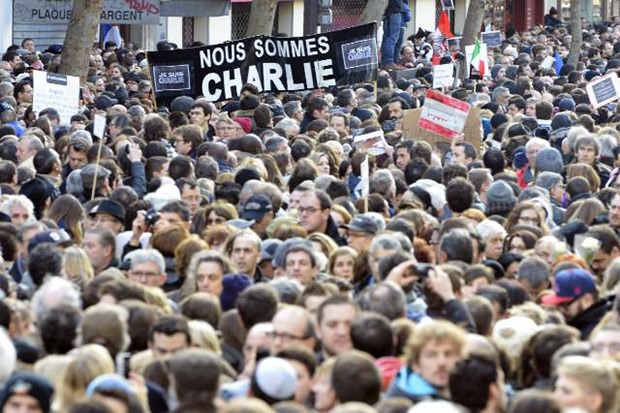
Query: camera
[
  {"x": 151, "y": 217},
  {"x": 420, "y": 270}
]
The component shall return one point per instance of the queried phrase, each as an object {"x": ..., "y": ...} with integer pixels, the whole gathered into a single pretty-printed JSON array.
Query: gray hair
[
  {"x": 21, "y": 201},
  {"x": 386, "y": 242},
  {"x": 575, "y": 133},
  {"x": 457, "y": 245},
  {"x": 489, "y": 227},
  {"x": 34, "y": 143},
  {"x": 382, "y": 182},
  {"x": 549, "y": 180},
  {"x": 405, "y": 243},
  {"x": 288, "y": 289},
  {"x": 286, "y": 124},
  {"x": 387, "y": 299},
  {"x": 83, "y": 134},
  {"x": 147, "y": 255},
  {"x": 273, "y": 143},
  {"x": 535, "y": 271},
  {"x": 532, "y": 192},
  {"x": 54, "y": 292},
  {"x": 608, "y": 144},
  {"x": 290, "y": 108},
  {"x": 497, "y": 91},
  {"x": 540, "y": 141}
]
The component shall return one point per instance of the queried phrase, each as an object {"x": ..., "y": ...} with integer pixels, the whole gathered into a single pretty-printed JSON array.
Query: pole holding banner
[{"x": 99, "y": 131}]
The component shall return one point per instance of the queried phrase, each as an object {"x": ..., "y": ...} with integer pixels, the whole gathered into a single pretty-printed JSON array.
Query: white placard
[
  {"x": 364, "y": 169},
  {"x": 56, "y": 91},
  {"x": 603, "y": 90},
  {"x": 99, "y": 126},
  {"x": 378, "y": 145},
  {"x": 548, "y": 62},
  {"x": 443, "y": 75}
]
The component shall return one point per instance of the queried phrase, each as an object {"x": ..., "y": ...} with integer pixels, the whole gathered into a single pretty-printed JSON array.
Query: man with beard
[{"x": 576, "y": 297}]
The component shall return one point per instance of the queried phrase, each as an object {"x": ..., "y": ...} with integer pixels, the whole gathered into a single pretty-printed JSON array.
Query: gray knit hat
[
  {"x": 500, "y": 199},
  {"x": 549, "y": 159}
]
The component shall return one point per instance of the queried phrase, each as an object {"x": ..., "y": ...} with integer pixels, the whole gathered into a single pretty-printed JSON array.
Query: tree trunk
[
  {"x": 373, "y": 12},
  {"x": 80, "y": 37},
  {"x": 575, "y": 28},
  {"x": 473, "y": 22},
  {"x": 262, "y": 15}
]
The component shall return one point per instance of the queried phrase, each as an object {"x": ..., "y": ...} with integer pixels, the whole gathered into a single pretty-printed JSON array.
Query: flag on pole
[
  {"x": 443, "y": 26},
  {"x": 477, "y": 60},
  {"x": 559, "y": 63},
  {"x": 442, "y": 32}
]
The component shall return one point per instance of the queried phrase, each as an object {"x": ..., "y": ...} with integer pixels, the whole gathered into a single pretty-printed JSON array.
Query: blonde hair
[
  {"x": 593, "y": 375},
  {"x": 440, "y": 331},
  {"x": 328, "y": 246},
  {"x": 87, "y": 362},
  {"x": 204, "y": 336},
  {"x": 256, "y": 164},
  {"x": 77, "y": 267},
  {"x": 52, "y": 368}
]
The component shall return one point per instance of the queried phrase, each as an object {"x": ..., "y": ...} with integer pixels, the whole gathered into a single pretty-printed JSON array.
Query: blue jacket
[
  {"x": 412, "y": 386},
  {"x": 406, "y": 12}
]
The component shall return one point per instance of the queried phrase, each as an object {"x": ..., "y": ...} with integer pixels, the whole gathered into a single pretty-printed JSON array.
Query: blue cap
[{"x": 569, "y": 285}]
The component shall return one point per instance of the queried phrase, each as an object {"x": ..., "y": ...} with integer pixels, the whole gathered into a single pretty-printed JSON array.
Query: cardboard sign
[
  {"x": 604, "y": 90},
  {"x": 99, "y": 126},
  {"x": 443, "y": 75},
  {"x": 492, "y": 39},
  {"x": 443, "y": 114},
  {"x": 472, "y": 130},
  {"x": 447, "y": 4},
  {"x": 56, "y": 91}
]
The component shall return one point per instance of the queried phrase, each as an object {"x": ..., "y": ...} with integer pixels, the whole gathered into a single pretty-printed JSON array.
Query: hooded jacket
[{"x": 412, "y": 386}]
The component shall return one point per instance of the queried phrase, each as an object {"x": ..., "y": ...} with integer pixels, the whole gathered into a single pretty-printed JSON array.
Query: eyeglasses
[{"x": 308, "y": 210}]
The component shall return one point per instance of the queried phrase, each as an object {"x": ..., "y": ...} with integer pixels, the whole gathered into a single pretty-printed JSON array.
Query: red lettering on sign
[{"x": 143, "y": 6}]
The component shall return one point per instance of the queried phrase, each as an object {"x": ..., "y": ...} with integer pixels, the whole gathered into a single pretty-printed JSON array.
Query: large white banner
[{"x": 56, "y": 91}]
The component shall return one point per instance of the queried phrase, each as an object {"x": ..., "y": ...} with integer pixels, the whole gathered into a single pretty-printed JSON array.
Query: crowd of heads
[{"x": 253, "y": 255}]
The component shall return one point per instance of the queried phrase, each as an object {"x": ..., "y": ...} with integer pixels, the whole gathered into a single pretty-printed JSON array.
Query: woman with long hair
[{"x": 68, "y": 213}]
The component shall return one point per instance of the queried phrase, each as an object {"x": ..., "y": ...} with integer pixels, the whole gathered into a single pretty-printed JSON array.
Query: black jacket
[
  {"x": 332, "y": 231},
  {"x": 394, "y": 6},
  {"x": 589, "y": 318}
]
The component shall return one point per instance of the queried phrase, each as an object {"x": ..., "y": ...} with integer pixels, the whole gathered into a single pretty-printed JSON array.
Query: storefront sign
[{"x": 60, "y": 11}]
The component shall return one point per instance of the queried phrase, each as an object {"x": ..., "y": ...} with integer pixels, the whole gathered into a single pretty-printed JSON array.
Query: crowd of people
[{"x": 232, "y": 257}]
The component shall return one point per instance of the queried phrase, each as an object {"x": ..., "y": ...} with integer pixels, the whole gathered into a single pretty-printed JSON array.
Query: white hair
[
  {"x": 539, "y": 141},
  {"x": 489, "y": 227},
  {"x": 21, "y": 201},
  {"x": 54, "y": 292},
  {"x": 8, "y": 356}
]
